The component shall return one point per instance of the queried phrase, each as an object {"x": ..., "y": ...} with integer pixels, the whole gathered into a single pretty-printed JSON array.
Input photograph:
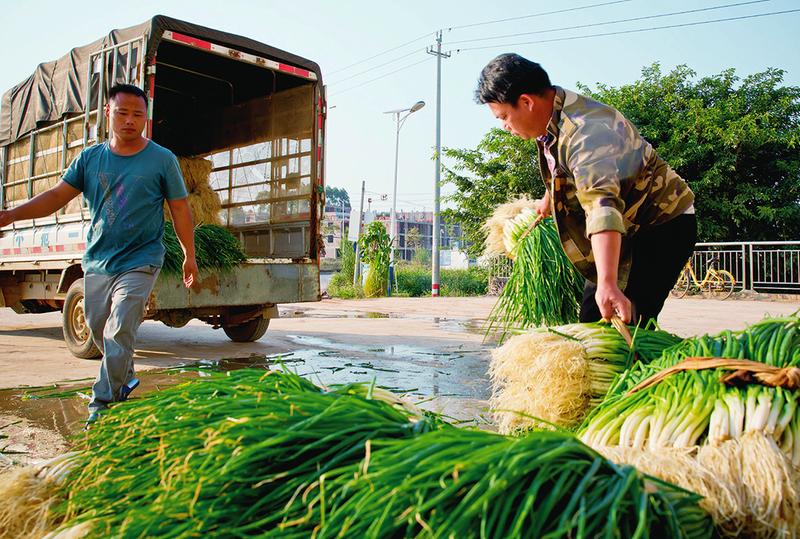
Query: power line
[
  {"x": 617, "y": 21},
  {"x": 638, "y": 30},
  {"x": 381, "y": 77},
  {"x": 578, "y": 8},
  {"x": 427, "y": 34},
  {"x": 423, "y": 36},
  {"x": 380, "y": 66}
]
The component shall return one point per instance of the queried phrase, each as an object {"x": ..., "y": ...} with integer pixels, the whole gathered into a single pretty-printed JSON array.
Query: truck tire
[
  {"x": 76, "y": 330},
  {"x": 250, "y": 331}
]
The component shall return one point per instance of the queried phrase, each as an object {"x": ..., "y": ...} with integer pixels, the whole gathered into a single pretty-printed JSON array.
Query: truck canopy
[{"x": 57, "y": 89}]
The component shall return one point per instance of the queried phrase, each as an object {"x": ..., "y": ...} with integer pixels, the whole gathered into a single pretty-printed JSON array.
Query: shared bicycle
[{"x": 716, "y": 283}]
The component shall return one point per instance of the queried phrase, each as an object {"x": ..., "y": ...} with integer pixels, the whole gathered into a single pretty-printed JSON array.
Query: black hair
[
  {"x": 509, "y": 76},
  {"x": 129, "y": 89}
]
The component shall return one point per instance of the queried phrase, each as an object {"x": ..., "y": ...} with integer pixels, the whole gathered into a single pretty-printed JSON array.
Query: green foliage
[
  {"x": 375, "y": 245},
  {"x": 735, "y": 140},
  {"x": 415, "y": 281},
  {"x": 341, "y": 287},
  {"x": 413, "y": 238},
  {"x": 422, "y": 257},
  {"x": 501, "y": 166},
  {"x": 468, "y": 282},
  {"x": 348, "y": 256},
  {"x": 337, "y": 197}
]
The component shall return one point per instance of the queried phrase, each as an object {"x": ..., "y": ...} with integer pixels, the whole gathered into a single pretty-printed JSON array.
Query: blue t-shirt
[{"x": 126, "y": 202}]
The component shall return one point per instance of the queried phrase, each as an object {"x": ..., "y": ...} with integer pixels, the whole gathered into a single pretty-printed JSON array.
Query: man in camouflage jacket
[{"x": 625, "y": 218}]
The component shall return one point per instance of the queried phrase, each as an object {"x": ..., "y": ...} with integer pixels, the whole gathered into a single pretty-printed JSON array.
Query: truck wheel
[
  {"x": 76, "y": 330},
  {"x": 250, "y": 331}
]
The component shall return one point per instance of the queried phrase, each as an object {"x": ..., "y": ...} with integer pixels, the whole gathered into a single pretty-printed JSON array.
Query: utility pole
[
  {"x": 436, "y": 194},
  {"x": 357, "y": 268}
]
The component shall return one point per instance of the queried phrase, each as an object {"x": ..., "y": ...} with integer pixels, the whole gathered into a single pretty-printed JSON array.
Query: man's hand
[
  {"x": 612, "y": 301},
  {"x": 6, "y": 217},
  {"x": 190, "y": 272},
  {"x": 542, "y": 206}
]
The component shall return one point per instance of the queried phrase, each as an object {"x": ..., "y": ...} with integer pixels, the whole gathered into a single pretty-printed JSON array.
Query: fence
[
  {"x": 757, "y": 265},
  {"x": 772, "y": 267}
]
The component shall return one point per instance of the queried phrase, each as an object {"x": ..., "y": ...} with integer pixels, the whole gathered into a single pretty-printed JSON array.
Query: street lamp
[{"x": 399, "y": 121}]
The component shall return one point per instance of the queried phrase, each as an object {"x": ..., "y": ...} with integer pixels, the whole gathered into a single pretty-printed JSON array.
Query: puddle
[
  {"x": 448, "y": 324},
  {"x": 450, "y": 380}
]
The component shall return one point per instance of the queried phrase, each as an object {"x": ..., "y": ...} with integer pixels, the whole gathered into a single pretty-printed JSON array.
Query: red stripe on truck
[
  {"x": 193, "y": 41},
  {"x": 294, "y": 70}
]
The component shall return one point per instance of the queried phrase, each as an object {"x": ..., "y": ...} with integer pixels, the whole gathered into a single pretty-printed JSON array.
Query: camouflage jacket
[{"x": 602, "y": 175}]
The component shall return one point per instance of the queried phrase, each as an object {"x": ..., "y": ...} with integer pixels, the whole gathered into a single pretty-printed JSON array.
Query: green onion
[
  {"x": 544, "y": 288},
  {"x": 556, "y": 375},
  {"x": 470, "y": 483},
  {"x": 216, "y": 249},
  {"x": 222, "y": 455}
]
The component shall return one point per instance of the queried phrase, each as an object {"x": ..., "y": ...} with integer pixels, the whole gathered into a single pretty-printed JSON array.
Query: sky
[{"x": 373, "y": 59}]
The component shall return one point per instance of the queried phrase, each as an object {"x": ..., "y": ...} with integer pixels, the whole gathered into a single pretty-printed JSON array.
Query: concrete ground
[
  {"x": 427, "y": 348},
  {"x": 32, "y": 349}
]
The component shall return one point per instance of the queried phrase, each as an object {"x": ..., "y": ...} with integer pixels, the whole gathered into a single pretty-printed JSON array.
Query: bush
[
  {"x": 413, "y": 280},
  {"x": 348, "y": 258},
  {"x": 341, "y": 287},
  {"x": 468, "y": 282},
  {"x": 422, "y": 257}
]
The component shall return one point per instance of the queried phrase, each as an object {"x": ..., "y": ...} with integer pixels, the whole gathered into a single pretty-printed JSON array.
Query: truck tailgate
[{"x": 249, "y": 284}]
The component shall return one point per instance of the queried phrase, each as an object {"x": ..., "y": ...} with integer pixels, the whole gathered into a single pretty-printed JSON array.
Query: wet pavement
[{"x": 448, "y": 379}]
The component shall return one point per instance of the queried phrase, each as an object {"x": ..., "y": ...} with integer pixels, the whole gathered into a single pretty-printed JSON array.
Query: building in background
[
  {"x": 414, "y": 228},
  {"x": 335, "y": 223}
]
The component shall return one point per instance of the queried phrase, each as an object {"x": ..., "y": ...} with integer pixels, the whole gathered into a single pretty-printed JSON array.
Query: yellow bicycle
[{"x": 716, "y": 283}]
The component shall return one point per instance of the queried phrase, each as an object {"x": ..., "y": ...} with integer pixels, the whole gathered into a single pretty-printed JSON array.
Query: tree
[
  {"x": 734, "y": 140},
  {"x": 337, "y": 197},
  {"x": 413, "y": 238},
  {"x": 502, "y": 166}
]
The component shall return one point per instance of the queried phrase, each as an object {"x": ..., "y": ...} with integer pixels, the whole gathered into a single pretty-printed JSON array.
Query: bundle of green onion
[
  {"x": 221, "y": 456},
  {"x": 690, "y": 408},
  {"x": 737, "y": 446},
  {"x": 216, "y": 249},
  {"x": 470, "y": 483},
  {"x": 543, "y": 287},
  {"x": 556, "y": 375}
]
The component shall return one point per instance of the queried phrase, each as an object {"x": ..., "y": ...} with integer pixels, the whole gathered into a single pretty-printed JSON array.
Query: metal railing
[
  {"x": 757, "y": 265},
  {"x": 761, "y": 266}
]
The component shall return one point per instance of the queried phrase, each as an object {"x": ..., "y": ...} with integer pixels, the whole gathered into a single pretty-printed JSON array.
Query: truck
[{"x": 257, "y": 113}]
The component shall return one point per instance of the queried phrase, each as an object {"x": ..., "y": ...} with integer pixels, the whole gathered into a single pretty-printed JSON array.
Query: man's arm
[
  {"x": 41, "y": 205},
  {"x": 184, "y": 229},
  {"x": 542, "y": 205},
  {"x": 610, "y": 299}
]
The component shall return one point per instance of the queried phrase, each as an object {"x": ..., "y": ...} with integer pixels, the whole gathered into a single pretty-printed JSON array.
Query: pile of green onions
[
  {"x": 268, "y": 454},
  {"x": 691, "y": 408},
  {"x": 543, "y": 287},
  {"x": 737, "y": 446},
  {"x": 555, "y": 375},
  {"x": 222, "y": 455},
  {"x": 216, "y": 249},
  {"x": 471, "y": 483}
]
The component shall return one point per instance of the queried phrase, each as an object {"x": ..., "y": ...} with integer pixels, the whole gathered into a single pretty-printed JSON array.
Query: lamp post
[{"x": 399, "y": 121}]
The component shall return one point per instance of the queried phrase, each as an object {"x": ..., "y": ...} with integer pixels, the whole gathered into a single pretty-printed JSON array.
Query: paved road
[{"x": 32, "y": 350}]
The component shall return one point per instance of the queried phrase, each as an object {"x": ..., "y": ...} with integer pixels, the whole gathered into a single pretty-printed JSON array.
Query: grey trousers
[{"x": 114, "y": 307}]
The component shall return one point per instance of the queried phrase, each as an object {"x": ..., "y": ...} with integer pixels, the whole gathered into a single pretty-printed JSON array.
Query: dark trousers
[{"x": 659, "y": 254}]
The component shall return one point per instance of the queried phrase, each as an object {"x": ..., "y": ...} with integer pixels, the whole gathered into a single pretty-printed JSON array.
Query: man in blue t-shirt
[{"x": 125, "y": 182}]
